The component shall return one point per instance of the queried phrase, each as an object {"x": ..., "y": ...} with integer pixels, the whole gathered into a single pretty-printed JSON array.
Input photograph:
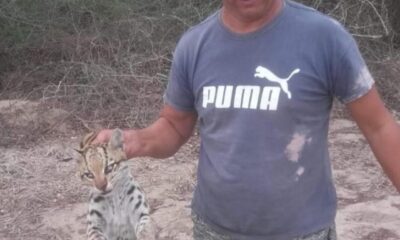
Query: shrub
[{"x": 107, "y": 61}]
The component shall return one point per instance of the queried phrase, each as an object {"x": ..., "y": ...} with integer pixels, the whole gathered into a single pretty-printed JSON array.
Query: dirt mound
[
  {"x": 28, "y": 121},
  {"x": 368, "y": 204},
  {"x": 42, "y": 198}
]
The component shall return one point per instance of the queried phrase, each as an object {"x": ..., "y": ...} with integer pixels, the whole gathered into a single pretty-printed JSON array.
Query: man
[{"x": 260, "y": 76}]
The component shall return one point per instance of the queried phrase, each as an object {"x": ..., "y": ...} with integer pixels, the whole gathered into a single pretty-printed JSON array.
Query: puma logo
[{"x": 262, "y": 72}]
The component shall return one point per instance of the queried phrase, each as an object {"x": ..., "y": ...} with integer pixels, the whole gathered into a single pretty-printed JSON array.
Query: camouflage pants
[{"x": 201, "y": 231}]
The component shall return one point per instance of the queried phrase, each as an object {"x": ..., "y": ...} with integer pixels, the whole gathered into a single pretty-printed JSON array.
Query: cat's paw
[{"x": 147, "y": 232}]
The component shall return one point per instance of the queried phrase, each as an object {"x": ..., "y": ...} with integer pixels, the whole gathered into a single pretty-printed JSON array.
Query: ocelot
[{"x": 117, "y": 208}]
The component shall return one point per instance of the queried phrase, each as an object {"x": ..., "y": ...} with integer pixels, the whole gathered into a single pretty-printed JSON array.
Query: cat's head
[{"x": 99, "y": 162}]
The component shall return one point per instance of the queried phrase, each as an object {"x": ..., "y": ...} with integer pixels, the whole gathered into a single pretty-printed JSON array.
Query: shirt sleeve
[
  {"x": 179, "y": 92},
  {"x": 351, "y": 77}
]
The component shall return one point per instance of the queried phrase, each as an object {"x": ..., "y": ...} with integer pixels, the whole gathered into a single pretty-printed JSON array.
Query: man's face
[{"x": 248, "y": 9}]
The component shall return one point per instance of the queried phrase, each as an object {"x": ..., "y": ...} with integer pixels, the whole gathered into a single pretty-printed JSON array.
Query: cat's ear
[
  {"x": 79, "y": 151},
  {"x": 87, "y": 140}
]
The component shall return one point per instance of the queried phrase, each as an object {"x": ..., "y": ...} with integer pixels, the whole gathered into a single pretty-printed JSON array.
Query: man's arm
[
  {"x": 381, "y": 131},
  {"x": 161, "y": 139}
]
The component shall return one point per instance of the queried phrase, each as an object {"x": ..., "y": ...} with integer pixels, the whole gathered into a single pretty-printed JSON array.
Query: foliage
[
  {"x": 107, "y": 61},
  {"x": 369, "y": 21}
]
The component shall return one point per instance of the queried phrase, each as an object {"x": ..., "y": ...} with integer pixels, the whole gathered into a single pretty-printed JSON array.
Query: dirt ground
[{"x": 42, "y": 198}]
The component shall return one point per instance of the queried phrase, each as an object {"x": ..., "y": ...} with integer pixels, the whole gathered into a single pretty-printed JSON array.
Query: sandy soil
[{"x": 41, "y": 198}]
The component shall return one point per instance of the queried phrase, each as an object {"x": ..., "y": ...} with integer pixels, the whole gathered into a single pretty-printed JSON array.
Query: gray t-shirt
[{"x": 263, "y": 101}]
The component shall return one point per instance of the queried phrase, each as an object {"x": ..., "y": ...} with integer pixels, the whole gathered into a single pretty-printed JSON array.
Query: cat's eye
[
  {"x": 88, "y": 175},
  {"x": 109, "y": 168}
]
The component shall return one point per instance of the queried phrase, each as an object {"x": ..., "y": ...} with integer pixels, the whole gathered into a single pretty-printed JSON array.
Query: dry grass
[
  {"x": 372, "y": 23},
  {"x": 36, "y": 185},
  {"x": 107, "y": 63},
  {"x": 104, "y": 62},
  {"x": 31, "y": 180}
]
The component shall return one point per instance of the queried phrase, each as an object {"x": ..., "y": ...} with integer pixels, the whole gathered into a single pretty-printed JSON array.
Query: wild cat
[{"x": 117, "y": 208}]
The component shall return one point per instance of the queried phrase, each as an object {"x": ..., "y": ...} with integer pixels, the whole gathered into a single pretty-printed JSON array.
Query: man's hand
[
  {"x": 102, "y": 137},
  {"x": 161, "y": 139}
]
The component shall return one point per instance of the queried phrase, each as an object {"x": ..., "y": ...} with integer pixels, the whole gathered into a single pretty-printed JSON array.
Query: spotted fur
[{"x": 117, "y": 208}]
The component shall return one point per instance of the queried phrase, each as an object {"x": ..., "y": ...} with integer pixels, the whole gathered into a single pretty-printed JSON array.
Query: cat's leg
[
  {"x": 96, "y": 225},
  {"x": 142, "y": 222},
  {"x": 139, "y": 213}
]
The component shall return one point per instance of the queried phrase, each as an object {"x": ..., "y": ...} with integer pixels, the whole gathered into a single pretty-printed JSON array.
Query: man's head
[{"x": 251, "y": 10}]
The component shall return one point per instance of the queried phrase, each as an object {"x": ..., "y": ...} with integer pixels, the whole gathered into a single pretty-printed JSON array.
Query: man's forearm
[
  {"x": 385, "y": 143},
  {"x": 159, "y": 140},
  {"x": 381, "y": 131}
]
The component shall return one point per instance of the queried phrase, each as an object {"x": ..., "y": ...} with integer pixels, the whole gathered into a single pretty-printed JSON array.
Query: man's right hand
[
  {"x": 103, "y": 136},
  {"x": 159, "y": 140}
]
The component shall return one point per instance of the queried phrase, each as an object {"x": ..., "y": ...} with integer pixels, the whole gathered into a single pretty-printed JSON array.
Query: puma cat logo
[{"x": 262, "y": 72}]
